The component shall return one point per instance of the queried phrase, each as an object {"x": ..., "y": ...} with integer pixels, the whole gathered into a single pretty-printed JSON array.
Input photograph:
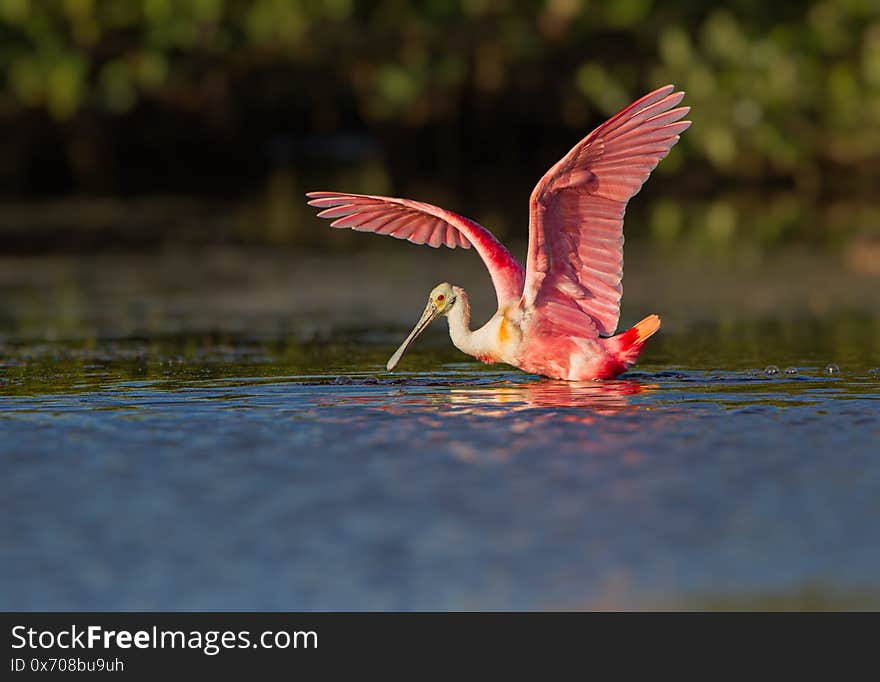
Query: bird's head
[
  {"x": 442, "y": 298},
  {"x": 441, "y": 301}
]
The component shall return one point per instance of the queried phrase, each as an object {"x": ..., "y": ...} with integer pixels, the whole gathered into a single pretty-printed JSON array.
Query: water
[
  {"x": 153, "y": 466},
  {"x": 167, "y": 475}
]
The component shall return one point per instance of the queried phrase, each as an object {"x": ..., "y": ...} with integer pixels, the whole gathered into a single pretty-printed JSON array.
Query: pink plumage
[
  {"x": 556, "y": 317},
  {"x": 423, "y": 223}
]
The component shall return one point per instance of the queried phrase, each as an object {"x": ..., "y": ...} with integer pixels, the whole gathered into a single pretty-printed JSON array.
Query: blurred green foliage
[
  {"x": 777, "y": 89},
  {"x": 785, "y": 102}
]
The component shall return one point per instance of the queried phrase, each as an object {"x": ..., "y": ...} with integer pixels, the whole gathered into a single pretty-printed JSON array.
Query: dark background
[{"x": 127, "y": 125}]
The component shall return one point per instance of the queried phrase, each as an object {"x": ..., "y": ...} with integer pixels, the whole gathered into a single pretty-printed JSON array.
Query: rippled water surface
[{"x": 226, "y": 472}]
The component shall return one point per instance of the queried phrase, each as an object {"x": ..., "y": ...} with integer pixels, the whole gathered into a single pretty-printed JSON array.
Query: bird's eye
[{"x": 440, "y": 298}]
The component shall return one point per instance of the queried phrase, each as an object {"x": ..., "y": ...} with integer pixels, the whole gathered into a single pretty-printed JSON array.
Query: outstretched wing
[
  {"x": 575, "y": 261},
  {"x": 423, "y": 223}
]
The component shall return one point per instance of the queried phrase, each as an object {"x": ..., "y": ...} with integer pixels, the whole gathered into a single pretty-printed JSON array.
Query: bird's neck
[
  {"x": 460, "y": 332},
  {"x": 460, "y": 323}
]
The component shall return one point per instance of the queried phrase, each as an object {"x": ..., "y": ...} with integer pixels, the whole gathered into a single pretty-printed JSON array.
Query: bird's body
[
  {"x": 509, "y": 338},
  {"x": 557, "y": 316}
]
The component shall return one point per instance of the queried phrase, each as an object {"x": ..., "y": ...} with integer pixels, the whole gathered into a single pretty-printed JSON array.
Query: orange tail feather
[{"x": 629, "y": 344}]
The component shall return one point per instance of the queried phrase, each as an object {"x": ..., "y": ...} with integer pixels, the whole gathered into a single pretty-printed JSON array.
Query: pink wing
[
  {"x": 423, "y": 223},
  {"x": 575, "y": 261}
]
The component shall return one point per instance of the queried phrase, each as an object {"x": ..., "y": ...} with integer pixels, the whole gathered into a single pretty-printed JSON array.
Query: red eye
[{"x": 440, "y": 297}]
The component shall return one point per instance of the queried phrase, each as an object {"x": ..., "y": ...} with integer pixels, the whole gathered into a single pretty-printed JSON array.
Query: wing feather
[
  {"x": 575, "y": 263},
  {"x": 422, "y": 223}
]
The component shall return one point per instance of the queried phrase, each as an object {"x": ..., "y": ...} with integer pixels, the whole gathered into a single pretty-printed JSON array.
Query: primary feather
[{"x": 575, "y": 263}]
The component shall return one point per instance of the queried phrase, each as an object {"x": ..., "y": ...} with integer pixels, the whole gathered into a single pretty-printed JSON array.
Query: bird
[{"x": 557, "y": 317}]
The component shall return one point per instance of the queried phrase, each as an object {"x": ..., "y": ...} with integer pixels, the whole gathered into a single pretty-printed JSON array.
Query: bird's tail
[{"x": 628, "y": 345}]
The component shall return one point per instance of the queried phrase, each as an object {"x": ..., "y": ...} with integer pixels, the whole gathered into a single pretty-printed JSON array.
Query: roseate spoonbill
[{"x": 556, "y": 317}]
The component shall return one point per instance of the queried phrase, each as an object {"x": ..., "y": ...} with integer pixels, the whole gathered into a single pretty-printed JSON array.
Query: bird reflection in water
[
  {"x": 602, "y": 398},
  {"x": 581, "y": 418},
  {"x": 581, "y": 401}
]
